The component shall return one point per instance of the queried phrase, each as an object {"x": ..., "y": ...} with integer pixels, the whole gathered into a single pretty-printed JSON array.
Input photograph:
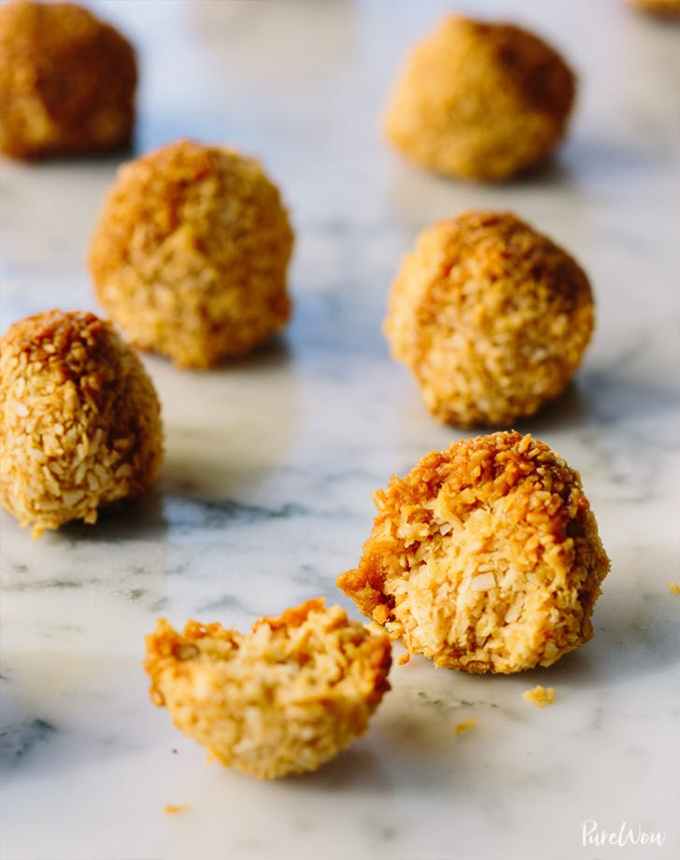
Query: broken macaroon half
[{"x": 283, "y": 699}]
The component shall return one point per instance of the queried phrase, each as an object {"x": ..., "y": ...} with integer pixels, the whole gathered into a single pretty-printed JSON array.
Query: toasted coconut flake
[{"x": 539, "y": 696}]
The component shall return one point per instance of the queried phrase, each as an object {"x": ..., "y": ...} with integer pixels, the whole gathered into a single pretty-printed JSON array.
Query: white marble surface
[{"x": 266, "y": 491}]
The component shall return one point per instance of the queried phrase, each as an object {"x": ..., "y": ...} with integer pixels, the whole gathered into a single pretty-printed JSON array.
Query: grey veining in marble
[{"x": 266, "y": 492}]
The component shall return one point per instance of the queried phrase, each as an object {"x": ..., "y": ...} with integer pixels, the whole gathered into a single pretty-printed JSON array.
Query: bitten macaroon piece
[
  {"x": 191, "y": 252},
  {"x": 485, "y": 557},
  {"x": 283, "y": 699},
  {"x": 490, "y": 316},
  {"x": 480, "y": 100},
  {"x": 80, "y": 420},
  {"x": 67, "y": 81},
  {"x": 670, "y": 8}
]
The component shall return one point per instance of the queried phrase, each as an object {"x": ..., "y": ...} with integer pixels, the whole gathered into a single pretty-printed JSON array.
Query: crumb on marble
[
  {"x": 404, "y": 659},
  {"x": 540, "y": 696},
  {"x": 674, "y": 587},
  {"x": 283, "y": 699},
  {"x": 465, "y": 726},
  {"x": 176, "y": 808}
]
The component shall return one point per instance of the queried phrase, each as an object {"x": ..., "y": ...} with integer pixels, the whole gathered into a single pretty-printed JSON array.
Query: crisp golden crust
[
  {"x": 284, "y": 699},
  {"x": 67, "y": 81},
  {"x": 79, "y": 420},
  {"x": 490, "y": 316},
  {"x": 480, "y": 100},
  {"x": 191, "y": 253},
  {"x": 485, "y": 557}
]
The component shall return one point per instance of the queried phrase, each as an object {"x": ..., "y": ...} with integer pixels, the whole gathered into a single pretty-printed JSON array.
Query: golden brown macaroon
[
  {"x": 79, "y": 420},
  {"x": 283, "y": 699},
  {"x": 67, "y": 81},
  {"x": 669, "y": 8},
  {"x": 191, "y": 253},
  {"x": 540, "y": 696},
  {"x": 480, "y": 100},
  {"x": 485, "y": 557},
  {"x": 491, "y": 317}
]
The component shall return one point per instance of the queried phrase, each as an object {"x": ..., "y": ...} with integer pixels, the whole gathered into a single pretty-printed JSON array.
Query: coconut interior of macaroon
[
  {"x": 282, "y": 699},
  {"x": 487, "y": 584}
]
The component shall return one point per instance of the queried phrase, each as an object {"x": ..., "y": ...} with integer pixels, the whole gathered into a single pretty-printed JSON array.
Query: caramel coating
[
  {"x": 491, "y": 317},
  {"x": 485, "y": 557},
  {"x": 480, "y": 101},
  {"x": 79, "y": 420},
  {"x": 283, "y": 699},
  {"x": 67, "y": 81},
  {"x": 190, "y": 254}
]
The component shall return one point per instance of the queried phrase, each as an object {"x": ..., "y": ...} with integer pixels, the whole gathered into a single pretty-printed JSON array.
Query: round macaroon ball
[
  {"x": 491, "y": 317},
  {"x": 80, "y": 422},
  {"x": 480, "y": 100},
  {"x": 485, "y": 557},
  {"x": 191, "y": 253},
  {"x": 67, "y": 81}
]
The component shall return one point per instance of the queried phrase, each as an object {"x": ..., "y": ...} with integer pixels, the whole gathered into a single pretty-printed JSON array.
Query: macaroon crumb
[
  {"x": 176, "y": 808},
  {"x": 404, "y": 659},
  {"x": 540, "y": 696},
  {"x": 465, "y": 726},
  {"x": 674, "y": 588}
]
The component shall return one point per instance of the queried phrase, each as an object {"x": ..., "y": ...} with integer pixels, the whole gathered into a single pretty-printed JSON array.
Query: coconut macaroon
[
  {"x": 657, "y": 7},
  {"x": 67, "y": 81},
  {"x": 191, "y": 253},
  {"x": 283, "y": 699},
  {"x": 480, "y": 100},
  {"x": 485, "y": 557},
  {"x": 491, "y": 317},
  {"x": 79, "y": 420}
]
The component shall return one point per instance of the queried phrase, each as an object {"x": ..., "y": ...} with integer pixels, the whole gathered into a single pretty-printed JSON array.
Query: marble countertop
[{"x": 266, "y": 492}]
